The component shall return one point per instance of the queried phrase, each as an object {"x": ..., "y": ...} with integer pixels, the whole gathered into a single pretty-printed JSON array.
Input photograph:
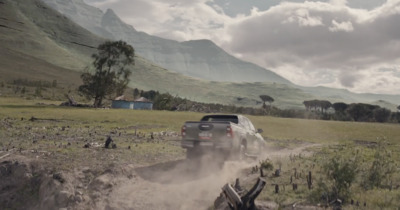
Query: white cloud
[
  {"x": 338, "y": 2},
  {"x": 308, "y": 42},
  {"x": 303, "y": 18},
  {"x": 346, "y": 26},
  {"x": 301, "y": 41}
]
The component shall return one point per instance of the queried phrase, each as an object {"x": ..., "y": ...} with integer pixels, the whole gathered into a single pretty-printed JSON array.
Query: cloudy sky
[{"x": 352, "y": 44}]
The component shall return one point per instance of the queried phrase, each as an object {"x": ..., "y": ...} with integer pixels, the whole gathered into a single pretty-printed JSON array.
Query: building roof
[
  {"x": 142, "y": 99},
  {"x": 120, "y": 98}
]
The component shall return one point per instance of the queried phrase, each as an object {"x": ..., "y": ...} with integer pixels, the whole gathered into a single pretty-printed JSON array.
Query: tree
[
  {"x": 266, "y": 98},
  {"x": 398, "y": 108},
  {"x": 361, "y": 112},
  {"x": 110, "y": 75},
  {"x": 136, "y": 93},
  {"x": 325, "y": 105},
  {"x": 151, "y": 94},
  {"x": 340, "y": 107},
  {"x": 381, "y": 114},
  {"x": 163, "y": 101}
]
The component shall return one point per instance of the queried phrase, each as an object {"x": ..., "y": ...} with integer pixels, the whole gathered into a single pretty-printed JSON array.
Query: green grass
[
  {"x": 327, "y": 132},
  {"x": 375, "y": 198},
  {"x": 316, "y": 131}
]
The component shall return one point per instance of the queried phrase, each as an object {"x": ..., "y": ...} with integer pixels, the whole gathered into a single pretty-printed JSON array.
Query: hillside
[
  {"x": 200, "y": 58},
  {"x": 38, "y": 43}
]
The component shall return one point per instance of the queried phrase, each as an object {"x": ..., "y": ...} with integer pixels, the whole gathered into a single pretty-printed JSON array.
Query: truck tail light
[
  {"x": 183, "y": 131},
  {"x": 229, "y": 131}
]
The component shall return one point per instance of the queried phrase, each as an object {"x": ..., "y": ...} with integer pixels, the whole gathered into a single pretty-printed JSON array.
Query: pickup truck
[{"x": 232, "y": 136}]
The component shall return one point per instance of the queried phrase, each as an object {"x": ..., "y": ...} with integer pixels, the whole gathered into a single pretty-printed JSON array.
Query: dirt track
[
  {"x": 61, "y": 174},
  {"x": 181, "y": 184}
]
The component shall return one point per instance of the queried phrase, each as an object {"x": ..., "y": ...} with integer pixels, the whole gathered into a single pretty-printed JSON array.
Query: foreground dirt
[
  {"x": 178, "y": 184},
  {"x": 52, "y": 166}
]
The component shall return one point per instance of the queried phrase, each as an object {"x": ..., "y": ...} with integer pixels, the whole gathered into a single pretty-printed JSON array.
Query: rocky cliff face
[{"x": 200, "y": 58}]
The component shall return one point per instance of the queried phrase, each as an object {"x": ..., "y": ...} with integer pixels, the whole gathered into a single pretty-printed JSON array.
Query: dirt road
[{"x": 181, "y": 184}]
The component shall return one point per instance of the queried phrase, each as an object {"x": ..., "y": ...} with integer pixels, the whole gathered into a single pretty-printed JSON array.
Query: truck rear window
[{"x": 220, "y": 118}]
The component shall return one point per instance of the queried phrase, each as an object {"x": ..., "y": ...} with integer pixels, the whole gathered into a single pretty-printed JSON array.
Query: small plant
[
  {"x": 266, "y": 164},
  {"x": 382, "y": 168},
  {"x": 339, "y": 174}
]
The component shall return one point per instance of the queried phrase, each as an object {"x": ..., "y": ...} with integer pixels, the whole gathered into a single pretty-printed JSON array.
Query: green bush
[
  {"x": 339, "y": 173},
  {"x": 266, "y": 164},
  {"x": 382, "y": 169}
]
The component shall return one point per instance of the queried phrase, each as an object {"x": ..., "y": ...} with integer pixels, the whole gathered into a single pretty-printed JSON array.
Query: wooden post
[
  {"x": 277, "y": 172},
  {"x": 276, "y": 189},
  {"x": 309, "y": 180}
]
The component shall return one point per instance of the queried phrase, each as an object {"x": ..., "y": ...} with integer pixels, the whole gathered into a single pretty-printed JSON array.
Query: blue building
[{"x": 141, "y": 103}]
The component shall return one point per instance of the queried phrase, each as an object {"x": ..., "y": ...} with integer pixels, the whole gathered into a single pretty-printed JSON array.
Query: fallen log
[{"x": 236, "y": 201}]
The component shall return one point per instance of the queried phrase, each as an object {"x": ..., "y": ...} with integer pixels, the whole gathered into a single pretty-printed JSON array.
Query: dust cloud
[
  {"x": 185, "y": 184},
  {"x": 181, "y": 185}
]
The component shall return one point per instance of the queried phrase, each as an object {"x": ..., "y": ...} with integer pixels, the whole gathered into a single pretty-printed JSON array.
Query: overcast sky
[{"x": 352, "y": 44}]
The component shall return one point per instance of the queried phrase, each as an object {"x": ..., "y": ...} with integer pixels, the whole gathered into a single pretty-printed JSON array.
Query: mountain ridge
[{"x": 163, "y": 51}]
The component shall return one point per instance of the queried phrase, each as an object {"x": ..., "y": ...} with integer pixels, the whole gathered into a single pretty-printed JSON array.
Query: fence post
[{"x": 309, "y": 180}]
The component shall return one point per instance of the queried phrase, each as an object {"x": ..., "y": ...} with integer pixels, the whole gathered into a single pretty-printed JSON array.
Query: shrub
[
  {"x": 339, "y": 174},
  {"x": 382, "y": 169},
  {"x": 266, "y": 164}
]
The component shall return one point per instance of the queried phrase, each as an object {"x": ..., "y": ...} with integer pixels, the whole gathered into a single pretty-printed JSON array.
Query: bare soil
[{"x": 61, "y": 174}]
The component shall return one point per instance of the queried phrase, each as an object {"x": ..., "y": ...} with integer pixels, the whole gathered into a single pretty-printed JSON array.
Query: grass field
[
  {"x": 59, "y": 133},
  {"x": 315, "y": 131}
]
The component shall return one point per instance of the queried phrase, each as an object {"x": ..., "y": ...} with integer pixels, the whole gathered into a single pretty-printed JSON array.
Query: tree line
[
  {"x": 360, "y": 112},
  {"x": 110, "y": 76}
]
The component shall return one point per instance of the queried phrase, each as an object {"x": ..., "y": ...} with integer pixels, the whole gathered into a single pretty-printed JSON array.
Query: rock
[
  {"x": 78, "y": 198},
  {"x": 59, "y": 177},
  {"x": 63, "y": 198}
]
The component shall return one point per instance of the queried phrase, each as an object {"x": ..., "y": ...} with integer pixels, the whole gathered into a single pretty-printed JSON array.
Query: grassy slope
[{"x": 28, "y": 52}]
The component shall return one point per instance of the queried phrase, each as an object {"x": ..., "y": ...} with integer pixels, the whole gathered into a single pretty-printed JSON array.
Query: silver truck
[{"x": 232, "y": 136}]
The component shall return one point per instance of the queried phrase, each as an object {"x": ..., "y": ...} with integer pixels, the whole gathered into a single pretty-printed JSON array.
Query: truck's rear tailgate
[{"x": 205, "y": 131}]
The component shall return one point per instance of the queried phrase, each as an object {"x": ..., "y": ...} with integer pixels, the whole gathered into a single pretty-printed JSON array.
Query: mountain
[
  {"x": 39, "y": 43},
  {"x": 200, "y": 58}
]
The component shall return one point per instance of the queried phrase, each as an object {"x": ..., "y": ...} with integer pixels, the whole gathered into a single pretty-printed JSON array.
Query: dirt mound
[
  {"x": 19, "y": 184},
  {"x": 27, "y": 185}
]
